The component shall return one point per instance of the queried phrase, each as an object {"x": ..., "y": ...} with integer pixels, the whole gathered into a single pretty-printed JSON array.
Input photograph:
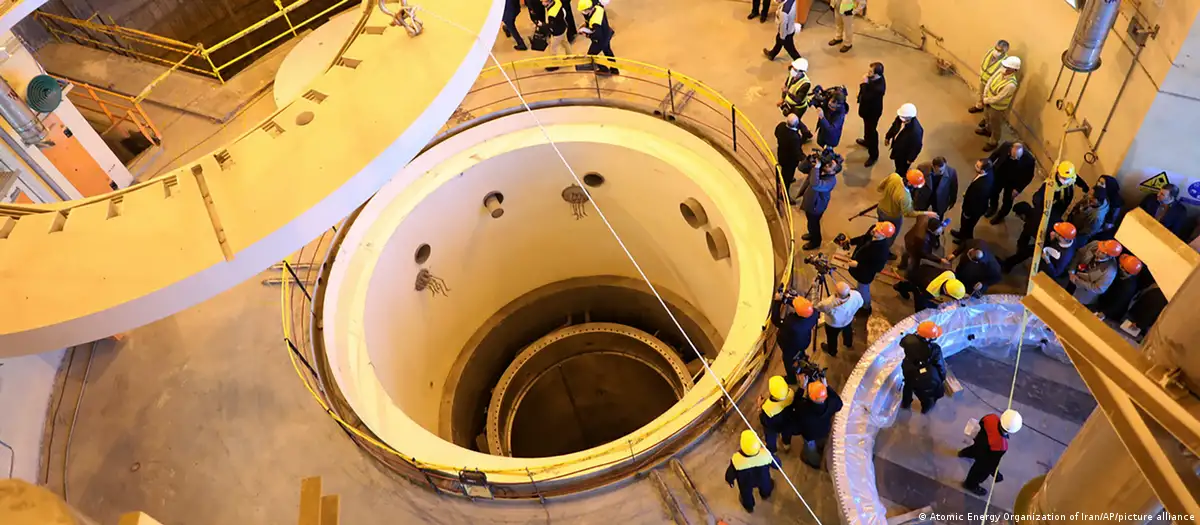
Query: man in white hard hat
[
  {"x": 988, "y": 69},
  {"x": 785, "y": 37},
  {"x": 997, "y": 98},
  {"x": 991, "y": 442},
  {"x": 906, "y": 137},
  {"x": 796, "y": 94}
]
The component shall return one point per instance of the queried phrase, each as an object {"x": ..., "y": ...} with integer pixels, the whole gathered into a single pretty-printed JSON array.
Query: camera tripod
[{"x": 817, "y": 291}]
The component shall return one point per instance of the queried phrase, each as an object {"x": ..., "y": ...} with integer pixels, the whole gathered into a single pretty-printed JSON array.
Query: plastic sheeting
[{"x": 872, "y": 392}]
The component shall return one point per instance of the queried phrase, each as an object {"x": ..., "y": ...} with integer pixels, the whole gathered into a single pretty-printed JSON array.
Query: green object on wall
[{"x": 43, "y": 94}]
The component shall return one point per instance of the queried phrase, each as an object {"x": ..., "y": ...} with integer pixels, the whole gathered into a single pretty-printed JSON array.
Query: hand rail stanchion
[
  {"x": 733, "y": 113},
  {"x": 596, "y": 77},
  {"x": 671, "y": 92}
]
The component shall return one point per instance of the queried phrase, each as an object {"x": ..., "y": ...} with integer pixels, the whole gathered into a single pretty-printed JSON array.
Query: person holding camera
[
  {"x": 924, "y": 368},
  {"x": 870, "y": 109},
  {"x": 789, "y": 149},
  {"x": 796, "y": 326},
  {"x": 830, "y": 118},
  {"x": 940, "y": 192},
  {"x": 975, "y": 201},
  {"x": 814, "y": 419},
  {"x": 839, "y": 310},
  {"x": 816, "y": 192},
  {"x": 870, "y": 257}
]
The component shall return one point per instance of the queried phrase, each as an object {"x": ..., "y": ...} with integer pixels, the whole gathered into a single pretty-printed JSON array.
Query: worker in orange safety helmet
[
  {"x": 1114, "y": 302},
  {"x": 776, "y": 414},
  {"x": 1058, "y": 251},
  {"x": 991, "y": 442},
  {"x": 750, "y": 468},
  {"x": 1094, "y": 269},
  {"x": 814, "y": 419},
  {"x": 794, "y": 316},
  {"x": 895, "y": 198},
  {"x": 870, "y": 257},
  {"x": 924, "y": 368}
]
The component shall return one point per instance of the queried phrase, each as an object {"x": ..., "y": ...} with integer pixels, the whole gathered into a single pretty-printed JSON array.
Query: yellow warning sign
[{"x": 1155, "y": 183}]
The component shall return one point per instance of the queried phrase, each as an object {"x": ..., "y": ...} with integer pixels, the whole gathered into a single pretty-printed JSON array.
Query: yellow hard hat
[
  {"x": 956, "y": 288},
  {"x": 778, "y": 387},
  {"x": 750, "y": 445},
  {"x": 1066, "y": 170},
  {"x": 586, "y": 4}
]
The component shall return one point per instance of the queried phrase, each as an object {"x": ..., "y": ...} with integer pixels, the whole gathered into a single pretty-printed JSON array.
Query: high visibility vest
[
  {"x": 772, "y": 407},
  {"x": 742, "y": 462},
  {"x": 794, "y": 86},
  {"x": 990, "y": 65},
  {"x": 996, "y": 85},
  {"x": 935, "y": 286},
  {"x": 555, "y": 7},
  {"x": 845, "y": 5},
  {"x": 597, "y": 17}
]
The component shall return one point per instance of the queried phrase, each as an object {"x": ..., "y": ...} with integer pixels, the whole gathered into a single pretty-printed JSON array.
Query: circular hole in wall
[
  {"x": 593, "y": 180},
  {"x": 422, "y": 254},
  {"x": 718, "y": 245},
  {"x": 693, "y": 213},
  {"x": 492, "y": 202},
  {"x": 304, "y": 118}
]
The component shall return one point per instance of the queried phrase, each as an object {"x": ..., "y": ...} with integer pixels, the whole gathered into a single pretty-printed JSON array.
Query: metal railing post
[
  {"x": 298, "y": 281},
  {"x": 286, "y": 18},
  {"x": 733, "y": 113},
  {"x": 671, "y": 90},
  {"x": 596, "y": 77}
]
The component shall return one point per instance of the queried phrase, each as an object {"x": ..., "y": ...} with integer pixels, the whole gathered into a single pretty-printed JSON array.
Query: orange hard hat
[
  {"x": 803, "y": 306},
  {"x": 886, "y": 228},
  {"x": 929, "y": 330},
  {"x": 817, "y": 391},
  {"x": 915, "y": 178},
  {"x": 1065, "y": 230},
  {"x": 1111, "y": 248},
  {"x": 1132, "y": 265}
]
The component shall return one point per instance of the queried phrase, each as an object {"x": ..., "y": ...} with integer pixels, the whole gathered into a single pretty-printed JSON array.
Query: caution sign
[{"x": 1155, "y": 183}]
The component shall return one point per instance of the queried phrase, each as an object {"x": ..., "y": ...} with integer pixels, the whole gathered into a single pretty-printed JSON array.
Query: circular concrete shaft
[{"x": 580, "y": 387}]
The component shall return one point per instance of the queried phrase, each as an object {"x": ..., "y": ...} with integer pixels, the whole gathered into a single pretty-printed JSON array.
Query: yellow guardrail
[
  {"x": 532, "y": 86},
  {"x": 116, "y": 107},
  {"x": 171, "y": 52}
]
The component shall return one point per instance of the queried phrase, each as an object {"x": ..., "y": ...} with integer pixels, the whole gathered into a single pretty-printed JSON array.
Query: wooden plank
[
  {"x": 137, "y": 518},
  {"x": 331, "y": 507},
  {"x": 911, "y": 518},
  {"x": 952, "y": 385},
  {"x": 310, "y": 501}
]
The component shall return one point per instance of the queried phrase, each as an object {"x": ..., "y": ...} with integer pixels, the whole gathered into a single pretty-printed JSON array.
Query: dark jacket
[
  {"x": 512, "y": 8},
  {"x": 870, "y": 97},
  {"x": 1063, "y": 198},
  {"x": 1010, "y": 173},
  {"x": 922, "y": 354},
  {"x": 813, "y": 420},
  {"x": 750, "y": 479},
  {"x": 985, "y": 271},
  {"x": 537, "y": 11},
  {"x": 557, "y": 24},
  {"x": 816, "y": 192},
  {"x": 1174, "y": 218},
  {"x": 921, "y": 242},
  {"x": 975, "y": 200},
  {"x": 1116, "y": 203},
  {"x": 871, "y": 256},
  {"x": 790, "y": 147},
  {"x": 1057, "y": 266},
  {"x": 940, "y": 192},
  {"x": 829, "y": 129},
  {"x": 795, "y": 332},
  {"x": 1115, "y": 302},
  {"x": 1147, "y": 306},
  {"x": 906, "y": 142}
]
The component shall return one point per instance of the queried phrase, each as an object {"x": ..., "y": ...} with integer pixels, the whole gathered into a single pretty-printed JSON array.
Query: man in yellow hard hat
[
  {"x": 776, "y": 414},
  {"x": 750, "y": 467},
  {"x": 595, "y": 26},
  {"x": 929, "y": 283}
]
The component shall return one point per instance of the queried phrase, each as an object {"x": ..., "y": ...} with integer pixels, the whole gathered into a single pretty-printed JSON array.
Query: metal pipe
[
  {"x": 37, "y": 169},
  {"x": 1116, "y": 101},
  {"x": 1095, "y": 21},
  {"x": 18, "y": 115}
]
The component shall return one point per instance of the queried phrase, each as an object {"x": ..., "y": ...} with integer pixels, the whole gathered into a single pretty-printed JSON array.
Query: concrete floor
[{"x": 199, "y": 418}]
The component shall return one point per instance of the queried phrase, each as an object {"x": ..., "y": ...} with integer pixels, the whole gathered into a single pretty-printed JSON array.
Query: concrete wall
[
  {"x": 414, "y": 337},
  {"x": 25, "y": 387},
  {"x": 1039, "y": 31}
]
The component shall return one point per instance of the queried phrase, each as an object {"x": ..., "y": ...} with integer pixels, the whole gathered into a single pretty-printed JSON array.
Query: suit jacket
[
  {"x": 906, "y": 142},
  {"x": 940, "y": 196},
  {"x": 790, "y": 148},
  {"x": 975, "y": 200},
  {"x": 1010, "y": 173},
  {"x": 870, "y": 98},
  {"x": 1174, "y": 219}
]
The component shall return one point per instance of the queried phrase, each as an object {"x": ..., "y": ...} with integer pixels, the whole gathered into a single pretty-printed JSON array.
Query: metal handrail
[
  {"x": 128, "y": 110},
  {"x": 759, "y": 157}
]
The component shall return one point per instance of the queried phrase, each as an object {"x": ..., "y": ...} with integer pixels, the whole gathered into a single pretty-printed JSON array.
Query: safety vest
[
  {"x": 597, "y": 17},
  {"x": 846, "y": 5},
  {"x": 554, "y": 8},
  {"x": 935, "y": 286},
  {"x": 772, "y": 407},
  {"x": 990, "y": 65},
  {"x": 742, "y": 462},
  {"x": 793, "y": 87},
  {"x": 996, "y": 85}
]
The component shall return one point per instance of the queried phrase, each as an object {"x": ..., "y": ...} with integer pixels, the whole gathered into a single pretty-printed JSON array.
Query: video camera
[
  {"x": 821, "y": 95},
  {"x": 820, "y": 262},
  {"x": 820, "y": 157}
]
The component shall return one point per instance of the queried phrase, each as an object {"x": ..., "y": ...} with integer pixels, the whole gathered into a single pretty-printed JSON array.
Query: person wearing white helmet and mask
[
  {"x": 906, "y": 137},
  {"x": 988, "y": 69},
  {"x": 796, "y": 94},
  {"x": 997, "y": 98},
  {"x": 785, "y": 37},
  {"x": 991, "y": 442}
]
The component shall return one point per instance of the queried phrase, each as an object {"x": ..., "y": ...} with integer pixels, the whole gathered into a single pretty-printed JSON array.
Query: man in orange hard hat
[
  {"x": 1058, "y": 251},
  {"x": 895, "y": 198},
  {"x": 797, "y": 322},
  {"x": 924, "y": 368},
  {"x": 1114, "y": 302},
  {"x": 1094, "y": 269},
  {"x": 869, "y": 258},
  {"x": 814, "y": 419}
]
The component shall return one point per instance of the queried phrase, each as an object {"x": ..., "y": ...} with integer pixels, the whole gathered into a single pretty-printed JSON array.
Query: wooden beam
[
  {"x": 137, "y": 518},
  {"x": 331, "y": 507},
  {"x": 310, "y": 501},
  {"x": 1167, "y": 257}
]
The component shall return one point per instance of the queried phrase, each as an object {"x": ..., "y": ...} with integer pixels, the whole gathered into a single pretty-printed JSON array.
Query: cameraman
[
  {"x": 870, "y": 257},
  {"x": 830, "y": 118},
  {"x": 816, "y": 192},
  {"x": 796, "y": 327}
]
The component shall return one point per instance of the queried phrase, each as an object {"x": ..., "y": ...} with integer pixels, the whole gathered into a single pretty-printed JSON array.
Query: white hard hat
[
  {"x": 907, "y": 110},
  {"x": 800, "y": 64},
  {"x": 1011, "y": 421},
  {"x": 1011, "y": 62}
]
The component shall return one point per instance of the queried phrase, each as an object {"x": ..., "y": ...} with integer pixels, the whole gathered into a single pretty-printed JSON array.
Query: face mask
[{"x": 1164, "y": 199}]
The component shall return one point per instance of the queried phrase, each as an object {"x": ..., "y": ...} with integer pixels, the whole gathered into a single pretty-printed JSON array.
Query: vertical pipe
[
  {"x": 671, "y": 91},
  {"x": 1095, "y": 20},
  {"x": 733, "y": 114}
]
